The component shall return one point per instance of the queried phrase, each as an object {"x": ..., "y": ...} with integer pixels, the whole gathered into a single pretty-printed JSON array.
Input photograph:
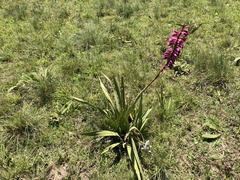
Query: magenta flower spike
[{"x": 176, "y": 43}]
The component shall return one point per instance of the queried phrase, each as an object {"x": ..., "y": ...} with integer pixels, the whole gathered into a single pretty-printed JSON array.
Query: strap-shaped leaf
[
  {"x": 123, "y": 102},
  {"x": 117, "y": 95},
  {"x": 110, "y": 147},
  {"x": 89, "y": 104},
  {"x": 105, "y": 91},
  {"x": 138, "y": 96},
  {"x": 102, "y": 133},
  {"x": 107, "y": 78},
  {"x": 145, "y": 119},
  {"x": 140, "y": 108},
  {"x": 131, "y": 131},
  {"x": 114, "y": 107},
  {"x": 134, "y": 128},
  {"x": 129, "y": 151},
  {"x": 137, "y": 162},
  {"x": 211, "y": 136},
  {"x": 133, "y": 160},
  {"x": 209, "y": 125},
  {"x": 146, "y": 113}
]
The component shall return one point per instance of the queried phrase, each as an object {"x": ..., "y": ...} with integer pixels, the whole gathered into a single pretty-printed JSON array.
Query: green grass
[{"x": 51, "y": 50}]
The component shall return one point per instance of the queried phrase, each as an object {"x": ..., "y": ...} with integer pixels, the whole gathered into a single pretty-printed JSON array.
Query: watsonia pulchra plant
[{"x": 125, "y": 122}]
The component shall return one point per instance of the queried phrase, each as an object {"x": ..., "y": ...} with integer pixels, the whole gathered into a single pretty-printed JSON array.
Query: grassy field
[{"x": 51, "y": 50}]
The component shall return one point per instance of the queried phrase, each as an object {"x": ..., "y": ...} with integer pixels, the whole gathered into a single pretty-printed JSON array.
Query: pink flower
[
  {"x": 176, "y": 52},
  {"x": 172, "y": 41},
  {"x": 167, "y": 54},
  {"x": 176, "y": 43},
  {"x": 175, "y": 33}
]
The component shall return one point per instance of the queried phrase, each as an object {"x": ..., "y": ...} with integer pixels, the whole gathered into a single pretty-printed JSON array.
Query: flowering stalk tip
[{"x": 176, "y": 45}]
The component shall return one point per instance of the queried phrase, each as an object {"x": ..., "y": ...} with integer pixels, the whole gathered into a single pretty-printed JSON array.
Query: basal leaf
[
  {"x": 137, "y": 162},
  {"x": 106, "y": 93},
  {"x": 209, "y": 125},
  {"x": 134, "y": 128},
  {"x": 140, "y": 108},
  {"x": 117, "y": 94},
  {"x": 103, "y": 133},
  {"x": 146, "y": 113},
  {"x": 107, "y": 78},
  {"x": 211, "y": 136},
  {"x": 129, "y": 151},
  {"x": 133, "y": 161},
  {"x": 110, "y": 147},
  {"x": 89, "y": 104},
  {"x": 145, "y": 119}
]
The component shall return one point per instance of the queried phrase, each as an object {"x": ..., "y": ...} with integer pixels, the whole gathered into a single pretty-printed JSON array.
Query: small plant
[
  {"x": 23, "y": 125},
  {"x": 125, "y": 10},
  {"x": 41, "y": 83},
  {"x": 214, "y": 64},
  {"x": 125, "y": 122},
  {"x": 165, "y": 106}
]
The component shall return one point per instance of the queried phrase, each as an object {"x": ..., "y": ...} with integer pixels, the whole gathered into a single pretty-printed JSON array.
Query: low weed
[
  {"x": 214, "y": 66},
  {"x": 41, "y": 84},
  {"x": 126, "y": 10},
  {"x": 8, "y": 102},
  {"x": 22, "y": 126}
]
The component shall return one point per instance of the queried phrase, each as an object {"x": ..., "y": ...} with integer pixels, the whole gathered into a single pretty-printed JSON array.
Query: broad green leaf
[
  {"x": 117, "y": 95},
  {"x": 66, "y": 107},
  {"x": 105, "y": 91},
  {"x": 133, "y": 161},
  {"x": 211, "y": 126},
  {"x": 211, "y": 136},
  {"x": 12, "y": 88},
  {"x": 146, "y": 113},
  {"x": 134, "y": 128},
  {"x": 129, "y": 131},
  {"x": 137, "y": 163},
  {"x": 110, "y": 147},
  {"x": 129, "y": 151},
  {"x": 82, "y": 101},
  {"x": 138, "y": 121},
  {"x": 136, "y": 154},
  {"x": 89, "y": 104},
  {"x": 107, "y": 78},
  {"x": 145, "y": 119},
  {"x": 140, "y": 108},
  {"x": 116, "y": 90},
  {"x": 139, "y": 95},
  {"x": 101, "y": 133},
  {"x": 136, "y": 168}
]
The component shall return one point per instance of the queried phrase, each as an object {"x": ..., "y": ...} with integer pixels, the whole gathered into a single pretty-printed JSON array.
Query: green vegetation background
[{"x": 50, "y": 50}]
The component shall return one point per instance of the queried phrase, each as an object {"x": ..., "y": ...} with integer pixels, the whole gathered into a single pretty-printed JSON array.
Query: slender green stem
[{"x": 149, "y": 84}]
